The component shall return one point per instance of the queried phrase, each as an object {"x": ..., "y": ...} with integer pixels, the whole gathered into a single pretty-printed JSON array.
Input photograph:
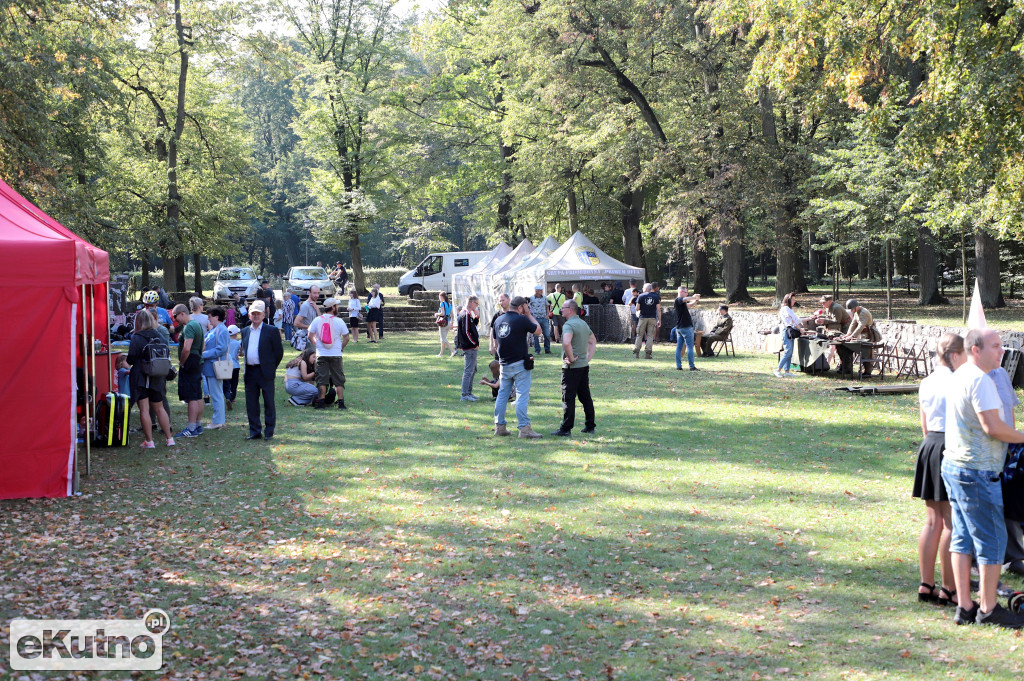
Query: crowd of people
[
  {"x": 220, "y": 344},
  {"x": 214, "y": 344}
]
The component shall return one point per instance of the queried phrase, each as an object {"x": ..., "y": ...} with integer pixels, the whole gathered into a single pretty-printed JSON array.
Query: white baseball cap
[
  {"x": 232, "y": 330},
  {"x": 331, "y": 302},
  {"x": 258, "y": 306}
]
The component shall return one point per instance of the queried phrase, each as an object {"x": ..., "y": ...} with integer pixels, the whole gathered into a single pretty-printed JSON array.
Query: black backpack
[{"x": 156, "y": 359}]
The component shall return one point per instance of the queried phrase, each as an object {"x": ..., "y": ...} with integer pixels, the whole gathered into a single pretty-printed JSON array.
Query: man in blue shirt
[{"x": 510, "y": 332}]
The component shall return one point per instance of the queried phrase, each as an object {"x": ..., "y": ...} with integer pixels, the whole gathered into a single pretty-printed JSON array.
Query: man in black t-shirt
[
  {"x": 648, "y": 307},
  {"x": 684, "y": 327},
  {"x": 510, "y": 334}
]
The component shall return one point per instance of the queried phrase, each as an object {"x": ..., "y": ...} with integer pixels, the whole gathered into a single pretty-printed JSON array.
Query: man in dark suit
[{"x": 262, "y": 350}]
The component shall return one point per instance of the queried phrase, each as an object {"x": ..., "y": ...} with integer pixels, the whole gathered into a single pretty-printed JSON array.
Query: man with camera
[{"x": 510, "y": 333}]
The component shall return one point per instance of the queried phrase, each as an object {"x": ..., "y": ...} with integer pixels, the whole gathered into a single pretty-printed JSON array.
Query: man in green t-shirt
[
  {"x": 190, "y": 373},
  {"x": 578, "y": 345}
]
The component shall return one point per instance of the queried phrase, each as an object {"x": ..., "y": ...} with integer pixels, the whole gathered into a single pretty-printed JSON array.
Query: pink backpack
[{"x": 325, "y": 332}]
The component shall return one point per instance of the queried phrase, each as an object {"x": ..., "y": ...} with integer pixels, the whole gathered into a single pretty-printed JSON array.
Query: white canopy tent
[
  {"x": 485, "y": 281},
  {"x": 578, "y": 259},
  {"x": 512, "y": 282},
  {"x": 463, "y": 282}
]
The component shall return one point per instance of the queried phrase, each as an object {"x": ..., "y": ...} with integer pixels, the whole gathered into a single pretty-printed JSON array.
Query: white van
[{"x": 436, "y": 271}]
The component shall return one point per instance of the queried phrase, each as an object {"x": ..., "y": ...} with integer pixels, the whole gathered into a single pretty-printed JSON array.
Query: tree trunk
[
  {"x": 928, "y": 291},
  {"x": 862, "y": 264},
  {"x": 813, "y": 257},
  {"x": 798, "y": 239},
  {"x": 888, "y": 279},
  {"x": 734, "y": 269},
  {"x": 986, "y": 253},
  {"x": 358, "y": 278},
  {"x": 505, "y": 223},
  {"x": 174, "y": 268},
  {"x": 631, "y": 202},
  {"x": 785, "y": 250},
  {"x": 701, "y": 269},
  {"x": 574, "y": 219},
  {"x": 144, "y": 283},
  {"x": 171, "y": 282},
  {"x": 198, "y": 274}
]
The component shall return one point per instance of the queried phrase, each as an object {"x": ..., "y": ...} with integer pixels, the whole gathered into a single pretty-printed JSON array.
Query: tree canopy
[{"x": 691, "y": 138}]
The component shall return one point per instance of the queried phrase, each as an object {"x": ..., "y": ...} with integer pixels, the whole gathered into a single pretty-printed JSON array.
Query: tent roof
[
  {"x": 499, "y": 253},
  {"x": 513, "y": 259},
  {"x": 31, "y": 254},
  {"x": 578, "y": 258},
  {"x": 93, "y": 263}
]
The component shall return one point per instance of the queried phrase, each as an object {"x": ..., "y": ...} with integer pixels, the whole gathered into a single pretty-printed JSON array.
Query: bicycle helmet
[{"x": 150, "y": 298}]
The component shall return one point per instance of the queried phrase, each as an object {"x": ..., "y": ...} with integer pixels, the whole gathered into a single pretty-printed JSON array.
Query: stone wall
[{"x": 747, "y": 325}]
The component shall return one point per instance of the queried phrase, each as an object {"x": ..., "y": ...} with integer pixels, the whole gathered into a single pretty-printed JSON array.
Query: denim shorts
[{"x": 976, "y": 501}]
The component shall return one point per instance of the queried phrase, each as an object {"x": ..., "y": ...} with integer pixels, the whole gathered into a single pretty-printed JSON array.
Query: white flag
[{"x": 976, "y": 317}]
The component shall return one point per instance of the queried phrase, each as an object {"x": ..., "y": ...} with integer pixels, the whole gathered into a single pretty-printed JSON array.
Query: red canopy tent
[{"x": 39, "y": 354}]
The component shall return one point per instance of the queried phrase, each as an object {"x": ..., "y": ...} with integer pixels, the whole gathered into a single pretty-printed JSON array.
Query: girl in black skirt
[{"x": 928, "y": 485}]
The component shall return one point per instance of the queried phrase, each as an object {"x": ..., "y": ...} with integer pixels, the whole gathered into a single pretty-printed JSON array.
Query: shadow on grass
[{"x": 400, "y": 540}]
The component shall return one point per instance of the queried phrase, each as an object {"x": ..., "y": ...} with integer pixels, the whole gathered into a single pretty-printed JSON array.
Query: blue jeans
[
  {"x": 684, "y": 335},
  {"x": 787, "y": 351},
  {"x": 545, "y": 328},
  {"x": 513, "y": 374},
  {"x": 215, "y": 387},
  {"x": 469, "y": 372},
  {"x": 287, "y": 330},
  {"x": 976, "y": 502}
]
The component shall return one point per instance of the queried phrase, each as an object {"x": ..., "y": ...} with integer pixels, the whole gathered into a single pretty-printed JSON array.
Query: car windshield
[
  {"x": 237, "y": 274},
  {"x": 309, "y": 273}
]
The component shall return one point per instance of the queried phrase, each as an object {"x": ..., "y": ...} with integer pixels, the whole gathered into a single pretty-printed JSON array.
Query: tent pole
[
  {"x": 88, "y": 386},
  {"x": 92, "y": 347},
  {"x": 106, "y": 322}
]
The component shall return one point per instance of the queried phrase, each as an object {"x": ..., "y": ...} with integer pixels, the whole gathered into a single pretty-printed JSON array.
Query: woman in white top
[
  {"x": 789, "y": 321},
  {"x": 376, "y": 313},
  {"x": 928, "y": 485},
  {"x": 354, "y": 307}
]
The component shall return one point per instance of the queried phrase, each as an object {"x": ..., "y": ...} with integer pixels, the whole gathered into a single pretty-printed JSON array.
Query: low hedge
[{"x": 385, "y": 276}]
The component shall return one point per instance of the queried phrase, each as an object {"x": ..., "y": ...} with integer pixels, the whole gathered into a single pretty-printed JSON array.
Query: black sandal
[
  {"x": 929, "y": 597},
  {"x": 946, "y": 596}
]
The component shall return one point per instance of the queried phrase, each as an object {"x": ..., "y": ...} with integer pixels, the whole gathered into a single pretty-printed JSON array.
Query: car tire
[{"x": 414, "y": 288}]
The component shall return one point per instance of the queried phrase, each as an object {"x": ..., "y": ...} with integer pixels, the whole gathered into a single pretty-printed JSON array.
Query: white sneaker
[
  {"x": 778, "y": 374},
  {"x": 788, "y": 374},
  {"x": 470, "y": 398}
]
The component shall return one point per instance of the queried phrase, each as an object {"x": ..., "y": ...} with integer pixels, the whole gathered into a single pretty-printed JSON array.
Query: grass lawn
[{"x": 721, "y": 525}]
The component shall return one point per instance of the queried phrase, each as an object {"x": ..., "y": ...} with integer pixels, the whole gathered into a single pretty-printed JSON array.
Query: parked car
[
  {"x": 298, "y": 280},
  {"x": 235, "y": 280}
]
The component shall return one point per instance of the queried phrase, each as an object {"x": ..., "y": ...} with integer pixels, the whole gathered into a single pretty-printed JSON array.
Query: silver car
[
  {"x": 298, "y": 280},
  {"x": 232, "y": 281}
]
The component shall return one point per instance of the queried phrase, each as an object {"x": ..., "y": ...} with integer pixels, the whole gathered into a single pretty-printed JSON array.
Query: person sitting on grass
[{"x": 300, "y": 378}]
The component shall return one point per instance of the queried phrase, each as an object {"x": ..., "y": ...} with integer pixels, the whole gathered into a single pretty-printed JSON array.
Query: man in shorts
[
  {"x": 190, "y": 372},
  {"x": 331, "y": 336},
  {"x": 971, "y": 466}
]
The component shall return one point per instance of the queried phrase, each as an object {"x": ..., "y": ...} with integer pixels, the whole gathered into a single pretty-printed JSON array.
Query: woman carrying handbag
[
  {"x": 216, "y": 364},
  {"x": 791, "y": 330}
]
